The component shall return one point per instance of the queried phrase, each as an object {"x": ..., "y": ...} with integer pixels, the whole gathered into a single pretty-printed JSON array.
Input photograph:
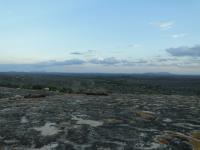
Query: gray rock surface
[{"x": 83, "y": 122}]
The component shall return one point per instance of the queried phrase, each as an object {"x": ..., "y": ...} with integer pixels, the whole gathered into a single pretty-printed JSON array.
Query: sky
[{"x": 107, "y": 36}]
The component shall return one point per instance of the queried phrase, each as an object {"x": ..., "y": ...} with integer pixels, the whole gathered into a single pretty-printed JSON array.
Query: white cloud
[
  {"x": 164, "y": 25},
  {"x": 135, "y": 45},
  {"x": 180, "y": 35},
  {"x": 82, "y": 53}
]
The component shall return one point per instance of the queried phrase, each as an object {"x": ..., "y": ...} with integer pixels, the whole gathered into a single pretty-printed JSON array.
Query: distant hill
[{"x": 158, "y": 74}]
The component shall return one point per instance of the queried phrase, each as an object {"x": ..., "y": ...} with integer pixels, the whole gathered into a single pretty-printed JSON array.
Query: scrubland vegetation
[{"x": 102, "y": 83}]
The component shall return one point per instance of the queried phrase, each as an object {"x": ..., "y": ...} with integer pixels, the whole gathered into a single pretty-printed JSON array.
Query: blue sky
[{"x": 129, "y": 36}]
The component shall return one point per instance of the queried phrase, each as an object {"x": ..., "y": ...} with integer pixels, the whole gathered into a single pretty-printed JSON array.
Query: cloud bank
[
  {"x": 185, "y": 58},
  {"x": 185, "y": 51}
]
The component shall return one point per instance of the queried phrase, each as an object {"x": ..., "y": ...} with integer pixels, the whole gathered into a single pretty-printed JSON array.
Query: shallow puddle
[
  {"x": 92, "y": 123},
  {"x": 24, "y": 120},
  {"x": 48, "y": 129},
  {"x": 46, "y": 147}
]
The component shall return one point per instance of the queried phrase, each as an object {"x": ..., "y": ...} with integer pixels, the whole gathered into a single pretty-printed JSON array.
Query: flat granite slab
[{"x": 89, "y": 122}]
